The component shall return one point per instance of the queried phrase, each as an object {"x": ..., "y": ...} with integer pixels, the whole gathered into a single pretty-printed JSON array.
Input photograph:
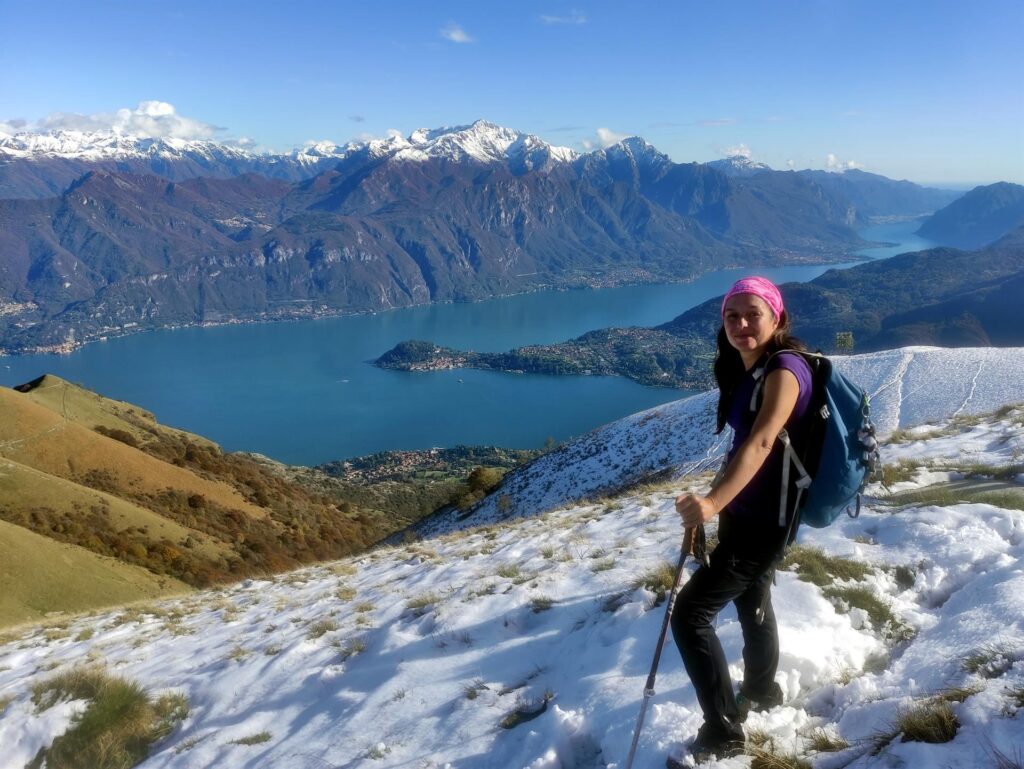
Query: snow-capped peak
[
  {"x": 739, "y": 165},
  {"x": 483, "y": 142},
  {"x": 639, "y": 149},
  {"x": 108, "y": 144}
]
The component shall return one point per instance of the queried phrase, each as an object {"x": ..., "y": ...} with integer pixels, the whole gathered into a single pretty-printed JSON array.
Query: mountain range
[{"x": 104, "y": 235}]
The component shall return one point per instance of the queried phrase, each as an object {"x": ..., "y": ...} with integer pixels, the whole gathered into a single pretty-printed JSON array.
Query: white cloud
[
  {"x": 150, "y": 119},
  {"x": 455, "y": 33},
  {"x": 740, "y": 150},
  {"x": 12, "y": 126},
  {"x": 832, "y": 163},
  {"x": 575, "y": 17},
  {"x": 607, "y": 137},
  {"x": 790, "y": 164},
  {"x": 391, "y": 133}
]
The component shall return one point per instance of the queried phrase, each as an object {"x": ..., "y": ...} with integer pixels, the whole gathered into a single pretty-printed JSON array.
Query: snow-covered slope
[
  {"x": 907, "y": 387},
  {"x": 527, "y": 644}
]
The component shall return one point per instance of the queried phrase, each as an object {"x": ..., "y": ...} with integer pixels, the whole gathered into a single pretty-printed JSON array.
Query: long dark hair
[{"x": 729, "y": 368}]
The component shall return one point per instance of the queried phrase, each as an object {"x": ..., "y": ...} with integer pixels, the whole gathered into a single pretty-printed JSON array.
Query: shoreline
[{"x": 584, "y": 283}]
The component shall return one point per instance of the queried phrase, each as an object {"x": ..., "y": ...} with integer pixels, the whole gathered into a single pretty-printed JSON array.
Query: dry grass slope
[
  {"x": 66, "y": 578},
  {"x": 105, "y": 476}
]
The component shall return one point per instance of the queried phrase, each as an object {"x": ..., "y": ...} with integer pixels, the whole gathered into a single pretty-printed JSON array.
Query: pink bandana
[{"x": 759, "y": 287}]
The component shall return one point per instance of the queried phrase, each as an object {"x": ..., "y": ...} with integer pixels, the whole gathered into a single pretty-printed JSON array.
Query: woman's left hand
[{"x": 695, "y": 509}]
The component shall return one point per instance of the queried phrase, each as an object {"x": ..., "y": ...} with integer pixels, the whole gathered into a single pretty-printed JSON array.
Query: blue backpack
[{"x": 840, "y": 453}]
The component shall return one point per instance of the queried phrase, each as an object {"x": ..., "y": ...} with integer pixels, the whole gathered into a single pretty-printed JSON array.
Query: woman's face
[{"x": 749, "y": 323}]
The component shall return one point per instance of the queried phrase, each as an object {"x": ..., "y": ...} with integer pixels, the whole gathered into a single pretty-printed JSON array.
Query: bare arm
[{"x": 781, "y": 391}]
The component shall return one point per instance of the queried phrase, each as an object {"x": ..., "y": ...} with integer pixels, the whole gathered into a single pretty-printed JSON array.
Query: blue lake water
[{"x": 303, "y": 392}]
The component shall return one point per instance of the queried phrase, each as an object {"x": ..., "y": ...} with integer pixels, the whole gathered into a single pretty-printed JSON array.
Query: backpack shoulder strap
[{"x": 760, "y": 374}]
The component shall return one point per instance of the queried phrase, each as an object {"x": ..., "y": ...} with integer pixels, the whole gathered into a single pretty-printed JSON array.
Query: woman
[{"x": 746, "y": 500}]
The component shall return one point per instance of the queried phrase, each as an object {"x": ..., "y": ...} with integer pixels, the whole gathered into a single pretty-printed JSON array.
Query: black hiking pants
[{"x": 740, "y": 572}]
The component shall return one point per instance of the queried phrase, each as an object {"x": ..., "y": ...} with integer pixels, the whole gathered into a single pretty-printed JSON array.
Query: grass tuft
[
  {"x": 989, "y": 661},
  {"x": 508, "y": 571},
  {"x": 253, "y": 739},
  {"x": 658, "y": 580},
  {"x": 762, "y": 758},
  {"x": 822, "y": 570},
  {"x": 472, "y": 691},
  {"x": 421, "y": 603},
  {"x": 526, "y": 711},
  {"x": 345, "y": 593},
  {"x": 1001, "y": 760},
  {"x": 117, "y": 727},
  {"x": 541, "y": 603},
  {"x": 931, "y": 721},
  {"x": 959, "y": 693},
  {"x": 1016, "y": 697},
  {"x": 352, "y": 648},
  {"x": 320, "y": 627},
  {"x": 822, "y": 741},
  {"x": 878, "y": 611},
  {"x": 905, "y": 577}
]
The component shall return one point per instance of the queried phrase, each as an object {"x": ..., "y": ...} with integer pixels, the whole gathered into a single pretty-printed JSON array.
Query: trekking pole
[{"x": 686, "y": 550}]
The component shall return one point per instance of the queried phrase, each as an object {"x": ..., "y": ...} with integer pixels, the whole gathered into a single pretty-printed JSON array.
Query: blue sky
[{"x": 929, "y": 91}]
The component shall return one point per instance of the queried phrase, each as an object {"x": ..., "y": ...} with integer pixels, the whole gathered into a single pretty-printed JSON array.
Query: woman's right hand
[{"x": 695, "y": 510}]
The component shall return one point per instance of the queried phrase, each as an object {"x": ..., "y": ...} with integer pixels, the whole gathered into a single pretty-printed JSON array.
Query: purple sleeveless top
[{"x": 759, "y": 500}]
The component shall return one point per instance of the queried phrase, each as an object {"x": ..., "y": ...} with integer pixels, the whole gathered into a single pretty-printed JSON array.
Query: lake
[{"x": 303, "y": 392}]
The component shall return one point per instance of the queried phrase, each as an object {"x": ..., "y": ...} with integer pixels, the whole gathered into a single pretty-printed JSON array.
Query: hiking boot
[
  {"x": 759, "y": 703},
  {"x": 711, "y": 744}
]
